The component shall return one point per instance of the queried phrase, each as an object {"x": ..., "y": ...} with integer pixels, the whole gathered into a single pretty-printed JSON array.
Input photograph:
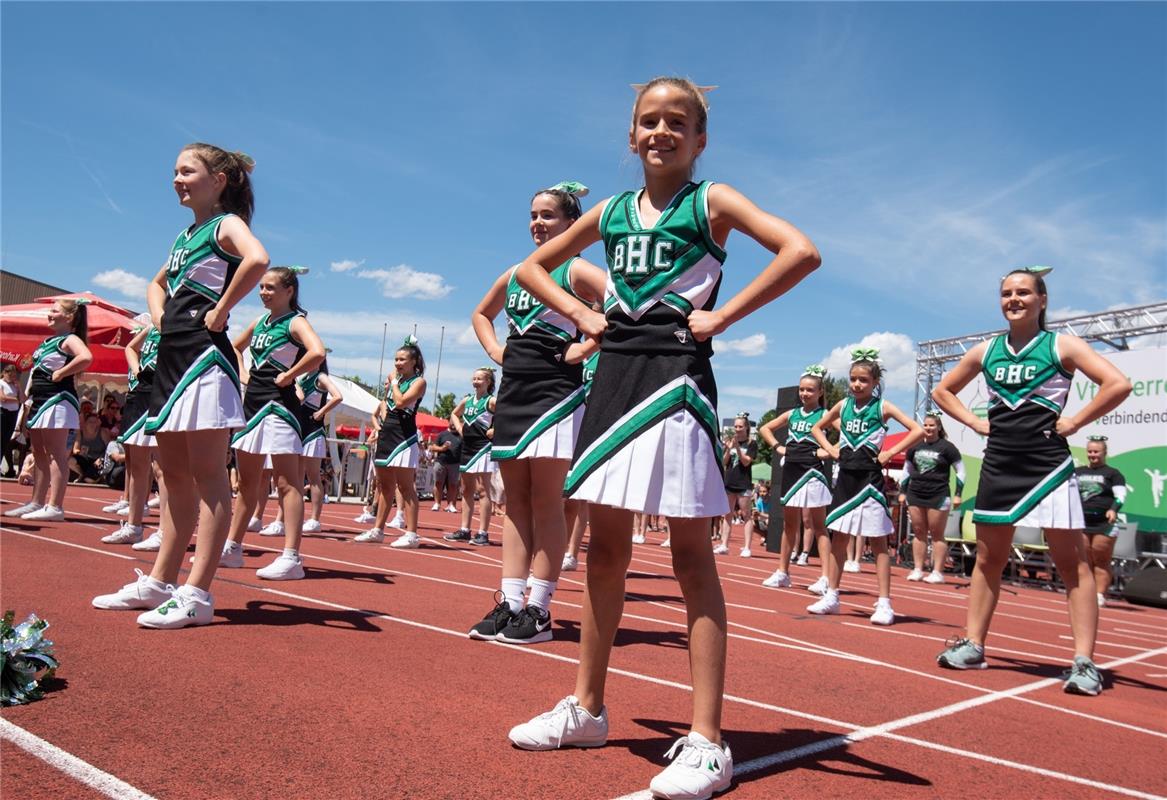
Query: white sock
[
  {"x": 832, "y": 593},
  {"x": 154, "y": 583},
  {"x": 512, "y": 590},
  {"x": 541, "y": 592},
  {"x": 196, "y": 593},
  {"x": 291, "y": 552},
  {"x": 407, "y": 533},
  {"x": 233, "y": 546}
]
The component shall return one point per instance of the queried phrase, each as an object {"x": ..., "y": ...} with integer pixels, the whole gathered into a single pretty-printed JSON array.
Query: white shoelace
[
  {"x": 691, "y": 755},
  {"x": 566, "y": 711}
]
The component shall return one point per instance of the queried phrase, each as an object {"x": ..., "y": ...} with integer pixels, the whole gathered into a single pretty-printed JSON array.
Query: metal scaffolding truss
[{"x": 1112, "y": 329}]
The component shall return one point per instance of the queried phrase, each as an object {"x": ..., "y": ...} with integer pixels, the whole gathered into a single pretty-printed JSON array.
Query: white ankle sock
[
  {"x": 541, "y": 592},
  {"x": 512, "y": 589}
]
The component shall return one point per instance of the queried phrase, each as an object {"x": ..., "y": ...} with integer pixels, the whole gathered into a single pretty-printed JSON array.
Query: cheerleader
[
  {"x": 318, "y": 396},
  {"x": 1103, "y": 490},
  {"x": 195, "y": 400},
  {"x": 282, "y": 346},
  {"x": 925, "y": 491},
  {"x": 858, "y": 505},
  {"x": 649, "y": 439},
  {"x": 738, "y": 454},
  {"x": 806, "y": 491},
  {"x": 540, "y": 405},
  {"x": 1027, "y": 476},
  {"x": 473, "y": 421},
  {"x": 141, "y": 358},
  {"x": 397, "y": 448},
  {"x": 53, "y": 409}
]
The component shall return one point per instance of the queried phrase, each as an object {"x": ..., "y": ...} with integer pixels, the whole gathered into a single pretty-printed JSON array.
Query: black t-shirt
[
  {"x": 454, "y": 454},
  {"x": 1096, "y": 485},
  {"x": 737, "y": 475},
  {"x": 932, "y": 464}
]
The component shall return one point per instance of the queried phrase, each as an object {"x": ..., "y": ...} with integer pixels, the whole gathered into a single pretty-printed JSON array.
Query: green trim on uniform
[
  {"x": 405, "y": 445},
  {"x": 807, "y": 477},
  {"x": 55, "y": 400},
  {"x": 212, "y": 357},
  {"x": 269, "y": 409},
  {"x": 477, "y": 457},
  {"x": 868, "y": 493},
  {"x": 1034, "y": 496},
  {"x": 314, "y": 435},
  {"x": 553, "y": 416},
  {"x": 683, "y": 394},
  {"x": 1048, "y": 364},
  {"x": 139, "y": 423}
]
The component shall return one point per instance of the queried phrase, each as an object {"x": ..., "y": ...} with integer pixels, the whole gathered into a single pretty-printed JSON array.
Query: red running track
[{"x": 358, "y": 681}]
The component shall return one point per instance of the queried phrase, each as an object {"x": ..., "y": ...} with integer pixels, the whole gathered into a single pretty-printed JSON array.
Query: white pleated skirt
[
  {"x": 270, "y": 436},
  {"x": 1061, "y": 509}
]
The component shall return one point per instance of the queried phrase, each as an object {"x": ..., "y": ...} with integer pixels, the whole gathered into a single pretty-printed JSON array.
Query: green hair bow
[
  {"x": 865, "y": 354},
  {"x": 574, "y": 188},
  {"x": 1097, "y": 437},
  {"x": 934, "y": 412},
  {"x": 296, "y": 269},
  {"x": 814, "y": 371},
  {"x": 410, "y": 341}
]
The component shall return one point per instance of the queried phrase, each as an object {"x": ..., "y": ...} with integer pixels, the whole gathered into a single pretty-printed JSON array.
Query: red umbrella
[
  {"x": 107, "y": 323},
  {"x": 17, "y": 348}
]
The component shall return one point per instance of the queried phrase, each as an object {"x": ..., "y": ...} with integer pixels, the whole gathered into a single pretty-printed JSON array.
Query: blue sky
[{"x": 925, "y": 147}]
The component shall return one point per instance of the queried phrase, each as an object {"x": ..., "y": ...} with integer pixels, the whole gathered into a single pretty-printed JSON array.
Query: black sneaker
[
  {"x": 493, "y": 622},
  {"x": 460, "y": 535},
  {"x": 529, "y": 626},
  {"x": 480, "y": 539}
]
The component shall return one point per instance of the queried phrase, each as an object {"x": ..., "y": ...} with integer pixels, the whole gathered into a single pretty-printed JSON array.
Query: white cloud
[
  {"x": 405, "y": 281},
  {"x": 124, "y": 283},
  {"x": 346, "y": 265},
  {"x": 897, "y": 354},
  {"x": 754, "y": 345},
  {"x": 468, "y": 338}
]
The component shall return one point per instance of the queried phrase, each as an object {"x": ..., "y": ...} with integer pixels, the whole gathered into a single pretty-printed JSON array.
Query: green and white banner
[{"x": 1136, "y": 431}]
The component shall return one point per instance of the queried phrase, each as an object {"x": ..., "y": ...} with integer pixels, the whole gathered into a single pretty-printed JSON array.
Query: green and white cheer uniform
[
  {"x": 649, "y": 438},
  {"x": 137, "y": 406},
  {"x": 54, "y": 404},
  {"x": 476, "y": 447},
  {"x": 804, "y": 478},
  {"x": 196, "y": 381},
  {"x": 1027, "y": 476},
  {"x": 397, "y": 442},
  {"x": 858, "y": 505},
  {"x": 272, "y": 412}
]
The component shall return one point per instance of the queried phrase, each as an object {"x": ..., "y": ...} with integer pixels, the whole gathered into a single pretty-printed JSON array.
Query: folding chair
[
  {"x": 1030, "y": 553},
  {"x": 1126, "y": 553},
  {"x": 953, "y": 537}
]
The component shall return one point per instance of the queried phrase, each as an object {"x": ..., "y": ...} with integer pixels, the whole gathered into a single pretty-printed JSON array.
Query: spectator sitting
[
  {"x": 113, "y": 466},
  {"x": 88, "y": 450}
]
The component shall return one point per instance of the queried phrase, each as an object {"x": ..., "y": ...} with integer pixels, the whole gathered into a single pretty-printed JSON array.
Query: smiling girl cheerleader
[
  {"x": 858, "y": 505},
  {"x": 52, "y": 408},
  {"x": 473, "y": 420},
  {"x": 806, "y": 491},
  {"x": 649, "y": 439},
  {"x": 1027, "y": 476}
]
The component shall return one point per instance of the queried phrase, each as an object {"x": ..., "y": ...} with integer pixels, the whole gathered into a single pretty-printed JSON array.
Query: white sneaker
[
  {"x": 700, "y": 770},
  {"x": 365, "y": 517},
  {"x": 311, "y": 526},
  {"x": 567, "y": 725},
  {"x": 451, "y": 509},
  {"x": 231, "y": 557},
  {"x": 916, "y": 575},
  {"x": 254, "y": 524},
  {"x": 154, "y": 502},
  {"x": 819, "y": 587},
  {"x": 45, "y": 514},
  {"x": 180, "y": 611},
  {"x": 745, "y": 553},
  {"x": 666, "y": 543},
  {"x": 803, "y": 559},
  {"x": 436, "y": 507},
  {"x": 721, "y": 550},
  {"x": 114, "y": 508},
  {"x": 406, "y": 541},
  {"x": 142, "y": 593},
  {"x": 851, "y": 566},
  {"x": 284, "y": 568},
  {"x": 275, "y": 528},
  {"x": 126, "y": 534},
  {"x": 638, "y": 538},
  {"x": 20, "y": 511},
  {"x": 124, "y": 511},
  {"x": 934, "y": 577},
  {"x": 371, "y": 535},
  {"x": 571, "y": 563},
  {"x": 398, "y": 521},
  {"x": 779, "y": 580},
  {"x": 151, "y": 543},
  {"x": 883, "y": 612},
  {"x": 827, "y": 604}
]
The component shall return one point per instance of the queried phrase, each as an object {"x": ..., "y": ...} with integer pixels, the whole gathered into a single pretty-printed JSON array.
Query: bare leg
[
  {"x": 919, "y": 517},
  {"x": 1068, "y": 551},
  {"x": 41, "y": 465},
  {"x": 548, "y": 525},
  {"x": 993, "y": 547},
  {"x": 882, "y": 564},
  {"x": 468, "y": 483},
  {"x": 252, "y": 483},
  {"x": 518, "y": 545},
  {"x": 315, "y": 488},
  {"x": 1101, "y": 550},
  {"x": 138, "y": 473},
  {"x": 289, "y": 476}
]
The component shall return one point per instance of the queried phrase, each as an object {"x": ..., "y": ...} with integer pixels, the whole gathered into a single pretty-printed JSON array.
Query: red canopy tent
[
  {"x": 428, "y": 426},
  {"x": 108, "y": 324},
  {"x": 18, "y": 349}
]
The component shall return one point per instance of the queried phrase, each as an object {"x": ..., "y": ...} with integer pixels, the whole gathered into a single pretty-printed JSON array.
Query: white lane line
[
  {"x": 66, "y": 543},
  {"x": 75, "y": 768}
]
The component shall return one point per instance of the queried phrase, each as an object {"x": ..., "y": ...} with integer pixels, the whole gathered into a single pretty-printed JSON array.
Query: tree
[{"x": 445, "y": 405}]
